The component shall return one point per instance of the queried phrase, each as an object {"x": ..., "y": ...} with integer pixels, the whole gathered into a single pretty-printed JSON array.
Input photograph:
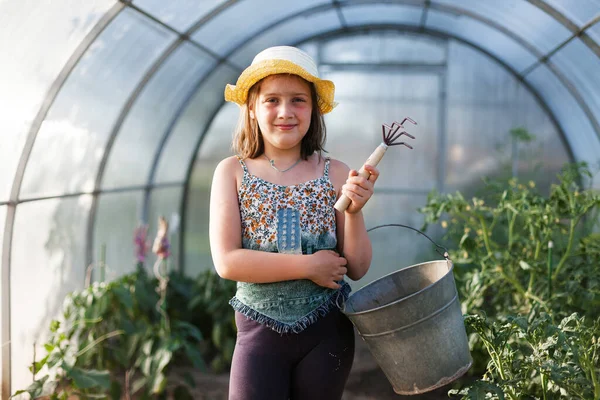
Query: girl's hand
[
  {"x": 358, "y": 189},
  {"x": 327, "y": 268}
]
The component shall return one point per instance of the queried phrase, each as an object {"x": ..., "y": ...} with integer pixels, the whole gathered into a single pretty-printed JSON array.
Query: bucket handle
[{"x": 437, "y": 246}]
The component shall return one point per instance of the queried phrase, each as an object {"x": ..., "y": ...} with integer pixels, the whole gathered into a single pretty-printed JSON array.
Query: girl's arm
[
  {"x": 353, "y": 239},
  {"x": 238, "y": 264}
]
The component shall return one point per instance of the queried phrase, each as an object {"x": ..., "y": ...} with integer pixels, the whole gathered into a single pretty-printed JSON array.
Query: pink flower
[{"x": 140, "y": 240}]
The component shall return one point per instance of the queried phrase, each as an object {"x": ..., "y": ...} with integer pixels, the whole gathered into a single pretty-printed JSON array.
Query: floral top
[
  {"x": 296, "y": 219},
  {"x": 261, "y": 205}
]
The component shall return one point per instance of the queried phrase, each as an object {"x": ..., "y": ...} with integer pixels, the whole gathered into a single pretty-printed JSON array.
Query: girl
[{"x": 274, "y": 230}]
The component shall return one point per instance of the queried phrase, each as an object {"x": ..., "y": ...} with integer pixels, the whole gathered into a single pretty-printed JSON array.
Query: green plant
[
  {"x": 537, "y": 358},
  {"x": 528, "y": 263},
  {"x": 518, "y": 250},
  {"x": 113, "y": 340},
  {"x": 204, "y": 303}
]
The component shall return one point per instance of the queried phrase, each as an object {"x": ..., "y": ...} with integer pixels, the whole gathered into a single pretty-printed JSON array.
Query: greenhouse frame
[{"x": 113, "y": 115}]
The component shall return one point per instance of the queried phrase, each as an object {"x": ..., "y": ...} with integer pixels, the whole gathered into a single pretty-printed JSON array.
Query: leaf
[
  {"x": 91, "y": 396},
  {"x": 195, "y": 356},
  {"x": 161, "y": 359},
  {"x": 39, "y": 364},
  {"x": 138, "y": 384},
  {"x": 195, "y": 302},
  {"x": 480, "y": 390},
  {"x": 35, "y": 389},
  {"x": 190, "y": 330},
  {"x": 217, "y": 335},
  {"x": 54, "y": 325},
  {"x": 147, "y": 347},
  {"x": 524, "y": 265},
  {"x": 124, "y": 296},
  {"x": 160, "y": 383},
  {"x": 86, "y": 379},
  {"x": 519, "y": 321}
]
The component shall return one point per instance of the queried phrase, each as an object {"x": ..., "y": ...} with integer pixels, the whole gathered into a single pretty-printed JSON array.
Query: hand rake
[{"x": 390, "y": 136}]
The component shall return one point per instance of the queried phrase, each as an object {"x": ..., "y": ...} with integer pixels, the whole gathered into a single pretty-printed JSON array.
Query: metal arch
[
  {"x": 587, "y": 39},
  {"x": 426, "y": 4},
  {"x": 345, "y": 32},
  {"x": 411, "y": 3},
  {"x": 455, "y": 10},
  {"x": 337, "y": 6},
  {"x": 577, "y": 96},
  {"x": 441, "y": 34},
  {"x": 159, "y": 151},
  {"x": 184, "y": 104},
  {"x": 307, "y": 12},
  {"x": 112, "y": 138},
  {"x": 49, "y": 99},
  {"x": 507, "y": 32},
  {"x": 183, "y": 36},
  {"x": 570, "y": 25},
  {"x": 338, "y": 11},
  {"x": 186, "y": 183},
  {"x": 582, "y": 35},
  {"x": 151, "y": 176},
  {"x": 213, "y": 13},
  {"x": 425, "y": 14},
  {"x": 148, "y": 75}
]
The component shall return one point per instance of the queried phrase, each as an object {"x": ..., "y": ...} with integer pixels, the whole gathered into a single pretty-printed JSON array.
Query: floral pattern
[{"x": 259, "y": 201}]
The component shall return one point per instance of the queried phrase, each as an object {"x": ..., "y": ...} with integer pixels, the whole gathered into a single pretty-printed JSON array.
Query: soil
[{"x": 366, "y": 382}]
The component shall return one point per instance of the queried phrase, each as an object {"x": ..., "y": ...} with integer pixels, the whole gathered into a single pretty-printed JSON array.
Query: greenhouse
[{"x": 113, "y": 117}]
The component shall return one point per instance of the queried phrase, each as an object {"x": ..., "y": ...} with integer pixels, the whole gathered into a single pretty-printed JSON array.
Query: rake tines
[{"x": 393, "y": 133}]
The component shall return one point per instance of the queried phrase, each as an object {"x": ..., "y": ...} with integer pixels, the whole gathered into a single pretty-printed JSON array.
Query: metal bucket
[{"x": 413, "y": 325}]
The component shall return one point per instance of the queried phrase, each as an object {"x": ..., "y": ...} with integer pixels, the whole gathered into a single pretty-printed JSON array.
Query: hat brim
[{"x": 238, "y": 93}]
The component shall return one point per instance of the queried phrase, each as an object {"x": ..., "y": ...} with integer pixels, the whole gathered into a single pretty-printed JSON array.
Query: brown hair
[{"x": 248, "y": 140}]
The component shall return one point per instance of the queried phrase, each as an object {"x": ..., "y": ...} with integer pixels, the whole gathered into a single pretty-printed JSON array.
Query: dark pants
[{"x": 311, "y": 365}]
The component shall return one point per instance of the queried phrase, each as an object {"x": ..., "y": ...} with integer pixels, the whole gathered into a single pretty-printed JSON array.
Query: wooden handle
[{"x": 343, "y": 202}]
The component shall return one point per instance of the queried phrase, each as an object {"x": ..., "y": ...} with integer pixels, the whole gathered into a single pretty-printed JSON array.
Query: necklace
[{"x": 272, "y": 162}]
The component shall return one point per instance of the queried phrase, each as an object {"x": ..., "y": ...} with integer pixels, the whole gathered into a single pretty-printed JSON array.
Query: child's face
[{"x": 283, "y": 110}]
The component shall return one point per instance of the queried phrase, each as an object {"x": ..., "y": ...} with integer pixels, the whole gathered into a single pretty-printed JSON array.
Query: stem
[
  {"x": 128, "y": 384},
  {"x": 510, "y": 229},
  {"x": 496, "y": 359},
  {"x": 550, "y": 245},
  {"x": 103, "y": 262},
  {"x": 544, "y": 385},
  {"x": 486, "y": 239},
  {"x": 531, "y": 280},
  {"x": 562, "y": 261},
  {"x": 517, "y": 285},
  {"x": 163, "y": 281},
  {"x": 100, "y": 339},
  {"x": 540, "y": 301},
  {"x": 589, "y": 364},
  {"x": 33, "y": 364},
  {"x": 538, "y": 247}
]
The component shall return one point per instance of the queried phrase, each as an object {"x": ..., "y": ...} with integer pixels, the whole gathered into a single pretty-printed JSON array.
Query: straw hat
[{"x": 282, "y": 60}]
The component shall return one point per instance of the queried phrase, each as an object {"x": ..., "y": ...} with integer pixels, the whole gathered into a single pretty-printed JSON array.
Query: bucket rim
[{"x": 450, "y": 270}]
